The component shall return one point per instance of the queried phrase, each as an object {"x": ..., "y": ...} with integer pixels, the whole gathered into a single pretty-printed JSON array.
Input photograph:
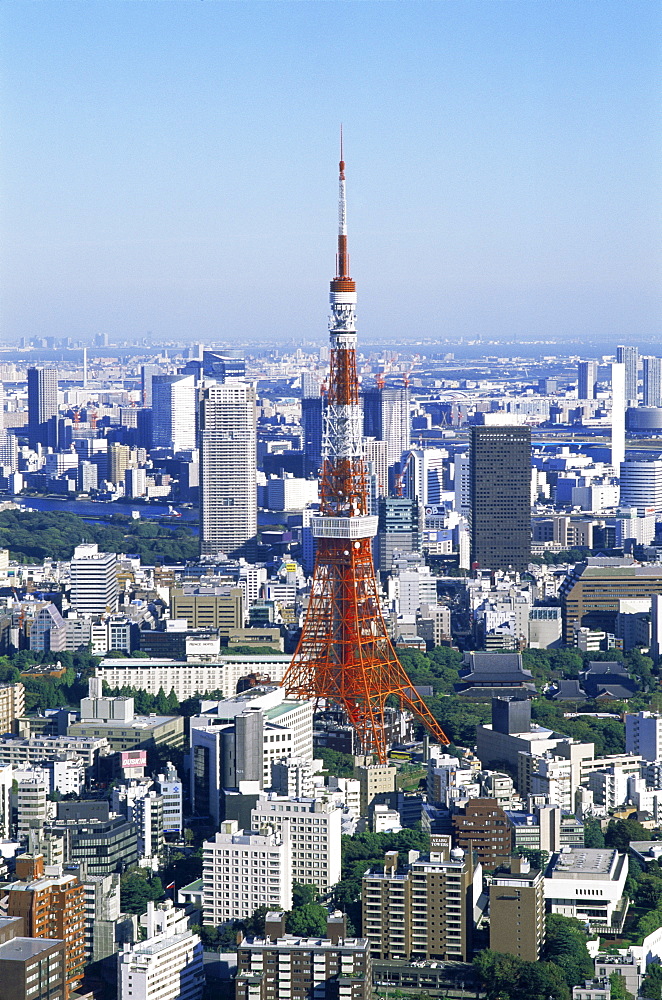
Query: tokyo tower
[{"x": 344, "y": 654}]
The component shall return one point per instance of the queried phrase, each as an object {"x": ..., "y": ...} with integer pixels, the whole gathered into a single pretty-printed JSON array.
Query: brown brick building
[
  {"x": 52, "y": 906},
  {"x": 482, "y": 827}
]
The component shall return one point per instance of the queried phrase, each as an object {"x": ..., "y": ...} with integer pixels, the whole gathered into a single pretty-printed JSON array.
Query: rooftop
[
  {"x": 21, "y": 948},
  {"x": 584, "y": 862}
]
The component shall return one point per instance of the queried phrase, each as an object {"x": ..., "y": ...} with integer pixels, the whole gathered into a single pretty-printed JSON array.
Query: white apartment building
[
  {"x": 643, "y": 735},
  {"x": 588, "y": 884},
  {"x": 94, "y": 586},
  {"x": 170, "y": 788},
  {"x": 609, "y": 787},
  {"x": 314, "y": 829},
  {"x": 6, "y": 778},
  {"x": 168, "y": 965},
  {"x": 242, "y": 870},
  {"x": 294, "y": 777},
  {"x": 228, "y": 469},
  {"x": 33, "y": 805},
  {"x": 19, "y": 751},
  {"x": 347, "y": 791},
  {"x": 190, "y": 677},
  {"x": 67, "y": 774}
]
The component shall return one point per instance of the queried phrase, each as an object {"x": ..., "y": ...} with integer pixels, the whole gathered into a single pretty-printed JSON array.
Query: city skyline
[{"x": 167, "y": 161}]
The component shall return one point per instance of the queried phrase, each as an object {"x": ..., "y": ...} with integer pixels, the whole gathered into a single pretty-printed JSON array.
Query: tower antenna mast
[{"x": 345, "y": 655}]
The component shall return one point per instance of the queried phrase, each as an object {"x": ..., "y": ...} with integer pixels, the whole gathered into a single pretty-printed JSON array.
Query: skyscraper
[
  {"x": 629, "y": 356},
  {"x": 618, "y": 404},
  {"x": 587, "y": 377},
  {"x": 228, "y": 470},
  {"x": 42, "y": 407},
  {"x": 500, "y": 472},
  {"x": 311, "y": 425},
  {"x": 652, "y": 381},
  {"x": 174, "y": 412},
  {"x": 641, "y": 485},
  {"x": 386, "y": 418}
]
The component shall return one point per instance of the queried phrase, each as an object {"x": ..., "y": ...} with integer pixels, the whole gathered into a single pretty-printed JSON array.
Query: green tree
[
  {"x": 308, "y": 920},
  {"x": 621, "y": 832},
  {"x": 137, "y": 888},
  {"x": 651, "y": 987},
  {"x": 565, "y": 945},
  {"x": 618, "y": 990},
  {"x": 593, "y": 835},
  {"x": 303, "y": 893}
]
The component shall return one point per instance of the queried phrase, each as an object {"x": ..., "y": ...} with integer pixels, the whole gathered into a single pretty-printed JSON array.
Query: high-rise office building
[
  {"x": 618, "y": 406},
  {"x": 386, "y": 418},
  {"x": 425, "y": 475},
  {"x": 587, "y": 377},
  {"x": 228, "y": 470},
  {"x": 500, "y": 469},
  {"x": 42, "y": 407},
  {"x": 94, "y": 586},
  {"x": 119, "y": 456},
  {"x": 398, "y": 529},
  {"x": 147, "y": 373},
  {"x": 641, "y": 485},
  {"x": 174, "y": 405},
  {"x": 311, "y": 426},
  {"x": 629, "y": 356},
  {"x": 652, "y": 381}
]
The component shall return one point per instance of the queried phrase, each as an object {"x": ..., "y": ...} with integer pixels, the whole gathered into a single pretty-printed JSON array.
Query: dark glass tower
[
  {"x": 500, "y": 497},
  {"x": 42, "y": 407}
]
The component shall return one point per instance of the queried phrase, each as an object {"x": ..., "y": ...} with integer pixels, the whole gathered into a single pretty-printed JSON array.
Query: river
[{"x": 101, "y": 510}]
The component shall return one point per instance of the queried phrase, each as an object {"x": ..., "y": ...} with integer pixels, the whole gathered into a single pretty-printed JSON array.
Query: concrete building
[
  {"x": 170, "y": 788},
  {"x": 422, "y": 908},
  {"x": 591, "y": 593},
  {"x": 102, "y": 912},
  {"x": 517, "y": 911},
  {"x": 313, "y": 827},
  {"x": 30, "y": 968},
  {"x": 587, "y": 372},
  {"x": 641, "y": 485},
  {"x": 374, "y": 780},
  {"x": 51, "y": 905},
  {"x": 399, "y": 529},
  {"x": 643, "y": 735},
  {"x": 500, "y": 460},
  {"x": 94, "y": 586},
  {"x": 629, "y": 357},
  {"x": 32, "y": 803},
  {"x": 193, "y": 676},
  {"x": 588, "y": 884},
  {"x": 481, "y": 827},
  {"x": 48, "y": 631},
  {"x": 652, "y": 381},
  {"x": 228, "y": 470},
  {"x": 243, "y": 870},
  {"x": 168, "y": 964},
  {"x": 386, "y": 418},
  {"x": 281, "y": 966},
  {"x": 42, "y": 407},
  {"x": 114, "y": 719},
  {"x": 618, "y": 407},
  {"x": 12, "y": 706},
  {"x": 219, "y": 608},
  {"x": 174, "y": 406}
]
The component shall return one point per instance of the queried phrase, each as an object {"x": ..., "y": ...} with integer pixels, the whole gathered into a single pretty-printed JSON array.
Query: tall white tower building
[
  {"x": 174, "y": 412},
  {"x": 94, "y": 586},
  {"x": 617, "y": 414},
  {"x": 228, "y": 469}
]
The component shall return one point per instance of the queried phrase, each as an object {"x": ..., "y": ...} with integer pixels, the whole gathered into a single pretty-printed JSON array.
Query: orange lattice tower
[{"x": 345, "y": 654}]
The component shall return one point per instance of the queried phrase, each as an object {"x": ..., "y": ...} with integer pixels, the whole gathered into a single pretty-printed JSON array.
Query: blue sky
[{"x": 171, "y": 167}]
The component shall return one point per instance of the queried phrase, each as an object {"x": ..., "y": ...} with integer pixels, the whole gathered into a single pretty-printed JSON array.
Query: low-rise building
[{"x": 589, "y": 883}]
